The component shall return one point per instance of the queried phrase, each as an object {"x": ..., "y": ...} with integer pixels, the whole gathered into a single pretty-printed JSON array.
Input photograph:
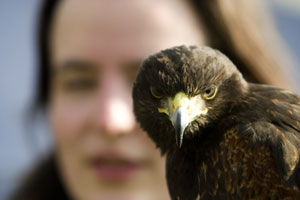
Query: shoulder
[
  {"x": 43, "y": 182},
  {"x": 269, "y": 117},
  {"x": 268, "y": 113},
  {"x": 265, "y": 104}
]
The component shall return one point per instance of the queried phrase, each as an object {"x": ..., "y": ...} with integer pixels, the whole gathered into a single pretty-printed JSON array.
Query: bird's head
[{"x": 181, "y": 91}]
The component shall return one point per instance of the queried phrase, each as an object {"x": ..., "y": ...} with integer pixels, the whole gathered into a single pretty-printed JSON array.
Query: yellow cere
[
  {"x": 179, "y": 100},
  {"x": 194, "y": 106},
  {"x": 163, "y": 110}
]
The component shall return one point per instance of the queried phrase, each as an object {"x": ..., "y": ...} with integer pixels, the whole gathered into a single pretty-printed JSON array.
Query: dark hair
[
  {"x": 244, "y": 31},
  {"x": 43, "y": 182},
  {"x": 45, "y": 22}
]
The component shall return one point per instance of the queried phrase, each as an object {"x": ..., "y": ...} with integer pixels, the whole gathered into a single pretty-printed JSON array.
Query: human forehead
[{"x": 105, "y": 31}]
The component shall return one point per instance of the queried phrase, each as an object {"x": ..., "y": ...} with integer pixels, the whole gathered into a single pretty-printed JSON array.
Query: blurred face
[{"x": 96, "y": 48}]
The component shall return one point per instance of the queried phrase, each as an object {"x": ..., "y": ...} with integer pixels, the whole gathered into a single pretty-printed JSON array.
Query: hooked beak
[
  {"x": 180, "y": 120},
  {"x": 182, "y": 110}
]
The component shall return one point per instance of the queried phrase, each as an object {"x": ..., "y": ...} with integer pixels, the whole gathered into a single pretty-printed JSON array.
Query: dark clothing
[{"x": 43, "y": 183}]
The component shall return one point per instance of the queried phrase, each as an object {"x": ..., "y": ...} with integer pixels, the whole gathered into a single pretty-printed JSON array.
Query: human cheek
[{"x": 69, "y": 117}]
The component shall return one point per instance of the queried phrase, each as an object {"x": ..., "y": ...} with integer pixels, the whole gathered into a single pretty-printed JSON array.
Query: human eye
[
  {"x": 79, "y": 84},
  {"x": 74, "y": 76}
]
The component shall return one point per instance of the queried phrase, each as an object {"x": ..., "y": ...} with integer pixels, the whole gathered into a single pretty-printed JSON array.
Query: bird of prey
[{"x": 224, "y": 138}]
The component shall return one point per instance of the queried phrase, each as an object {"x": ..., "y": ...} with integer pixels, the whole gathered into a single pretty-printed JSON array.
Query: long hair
[{"x": 244, "y": 31}]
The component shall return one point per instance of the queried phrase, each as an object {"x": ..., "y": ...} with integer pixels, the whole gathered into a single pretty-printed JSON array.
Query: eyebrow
[{"x": 74, "y": 66}]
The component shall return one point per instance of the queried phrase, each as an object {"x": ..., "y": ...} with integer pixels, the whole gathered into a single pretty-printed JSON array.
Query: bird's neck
[{"x": 201, "y": 142}]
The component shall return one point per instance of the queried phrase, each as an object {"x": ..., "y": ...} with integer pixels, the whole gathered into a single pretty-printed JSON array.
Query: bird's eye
[
  {"x": 210, "y": 93},
  {"x": 155, "y": 93}
]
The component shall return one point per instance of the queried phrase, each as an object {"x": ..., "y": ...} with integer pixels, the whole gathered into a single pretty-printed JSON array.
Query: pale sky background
[{"x": 17, "y": 76}]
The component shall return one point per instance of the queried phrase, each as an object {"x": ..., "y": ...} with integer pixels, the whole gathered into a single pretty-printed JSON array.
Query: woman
[{"x": 89, "y": 54}]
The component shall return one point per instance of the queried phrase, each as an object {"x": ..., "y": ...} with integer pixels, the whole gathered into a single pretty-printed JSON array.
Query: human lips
[{"x": 115, "y": 166}]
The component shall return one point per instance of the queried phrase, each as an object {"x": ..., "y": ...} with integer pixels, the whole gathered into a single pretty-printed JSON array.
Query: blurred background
[{"x": 21, "y": 144}]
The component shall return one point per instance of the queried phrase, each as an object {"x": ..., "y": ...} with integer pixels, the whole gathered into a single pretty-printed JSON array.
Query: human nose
[{"x": 115, "y": 115}]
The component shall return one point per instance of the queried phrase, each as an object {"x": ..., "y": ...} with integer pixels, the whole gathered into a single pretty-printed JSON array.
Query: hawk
[{"x": 224, "y": 138}]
